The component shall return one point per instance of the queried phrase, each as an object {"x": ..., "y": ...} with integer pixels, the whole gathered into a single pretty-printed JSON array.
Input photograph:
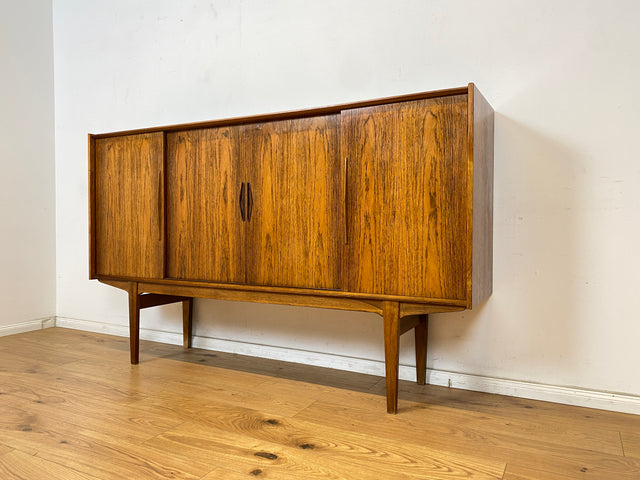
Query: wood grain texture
[
  {"x": 129, "y": 215},
  {"x": 294, "y": 234},
  {"x": 531, "y": 443},
  {"x": 482, "y": 126},
  {"x": 516, "y": 472},
  {"x": 21, "y": 466},
  {"x": 70, "y": 403},
  {"x": 226, "y": 474},
  {"x": 290, "y": 448},
  {"x": 205, "y": 234},
  {"x": 631, "y": 443},
  {"x": 5, "y": 449},
  {"x": 407, "y": 190}
]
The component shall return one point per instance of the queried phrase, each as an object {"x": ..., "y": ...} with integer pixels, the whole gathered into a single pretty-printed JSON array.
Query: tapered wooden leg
[
  {"x": 421, "y": 334},
  {"x": 187, "y": 325},
  {"x": 391, "y": 318},
  {"x": 134, "y": 323}
]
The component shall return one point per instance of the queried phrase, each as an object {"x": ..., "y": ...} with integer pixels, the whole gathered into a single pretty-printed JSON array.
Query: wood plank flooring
[{"x": 72, "y": 407}]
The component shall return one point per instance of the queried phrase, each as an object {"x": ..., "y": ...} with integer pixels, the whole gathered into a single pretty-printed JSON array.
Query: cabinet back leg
[
  {"x": 134, "y": 323},
  {"x": 187, "y": 322},
  {"x": 421, "y": 337}
]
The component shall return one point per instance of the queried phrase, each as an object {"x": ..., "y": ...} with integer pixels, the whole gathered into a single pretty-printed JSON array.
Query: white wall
[
  {"x": 561, "y": 77},
  {"x": 27, "y": 212}
]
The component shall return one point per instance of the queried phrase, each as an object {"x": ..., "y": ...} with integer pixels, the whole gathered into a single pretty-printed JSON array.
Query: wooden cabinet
[{"x": 382, "y": 206}]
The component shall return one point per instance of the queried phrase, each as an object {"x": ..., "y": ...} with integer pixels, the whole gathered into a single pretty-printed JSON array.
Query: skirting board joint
[{"x": 28, "y": 326}]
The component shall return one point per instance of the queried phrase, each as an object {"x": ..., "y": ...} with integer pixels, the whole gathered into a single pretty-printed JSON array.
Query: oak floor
[{"x": 72, "y": 408}]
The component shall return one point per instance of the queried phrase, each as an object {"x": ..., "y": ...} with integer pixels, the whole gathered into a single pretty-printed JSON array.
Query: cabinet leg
[
  {"x": 421, "y": 335},
  {"x": 187, "y": 322},
  {"x": 391, "y": 319},
  {"x": 134, "y": 323}
]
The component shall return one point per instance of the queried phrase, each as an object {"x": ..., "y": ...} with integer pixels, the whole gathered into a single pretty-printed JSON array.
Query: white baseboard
[
  {"x": 28, "y": 326},
  {"x": 617, "y": 402},
  {"x": 97, "y": 327},
  {"x": 579, "y": 397}
]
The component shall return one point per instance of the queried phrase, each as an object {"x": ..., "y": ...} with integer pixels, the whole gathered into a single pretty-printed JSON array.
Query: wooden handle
[
  {"x": 159, "y": 205},
  {"x": 344, "y": 193},
  {"x": 242, "y": 204}
]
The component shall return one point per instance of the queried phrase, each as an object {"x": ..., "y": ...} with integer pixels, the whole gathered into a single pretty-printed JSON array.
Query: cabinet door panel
[
  {"x": 128, "y": 215},
  {"x": 407, "y": 207},
  {"x": 205, "y": 234},
  {"x": 294, "y": 235}
]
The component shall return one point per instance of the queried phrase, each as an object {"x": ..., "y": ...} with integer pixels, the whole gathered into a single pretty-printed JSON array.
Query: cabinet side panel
[
  {"x": 128, "y": 191},
  {"x": 205, "y": 231},
  {"x": 407, "y": 198},
  {"x": 295, "y": 230},
  {"x": 483, "y": 133}
]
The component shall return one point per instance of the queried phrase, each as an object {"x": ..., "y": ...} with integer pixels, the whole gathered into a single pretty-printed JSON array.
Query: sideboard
[{"x": 380, "y": 206}]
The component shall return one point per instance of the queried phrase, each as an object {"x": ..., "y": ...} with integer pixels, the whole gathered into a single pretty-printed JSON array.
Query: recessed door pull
[
  {"x": 249, "y": 201},
  {"x": 242, "y": 204}
]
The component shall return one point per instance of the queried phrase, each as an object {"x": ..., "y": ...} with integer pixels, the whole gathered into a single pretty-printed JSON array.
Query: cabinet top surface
[{"x": 334, "y": 109}]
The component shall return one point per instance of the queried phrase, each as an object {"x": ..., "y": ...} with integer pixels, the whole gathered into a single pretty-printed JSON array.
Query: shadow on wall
[{"x": 528, "y": 327}]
